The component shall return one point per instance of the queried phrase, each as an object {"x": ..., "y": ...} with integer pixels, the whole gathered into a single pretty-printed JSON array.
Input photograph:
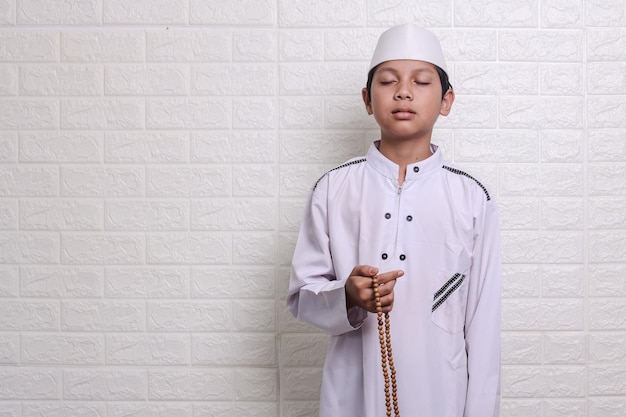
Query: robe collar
[{"x": 414, "y": 171}]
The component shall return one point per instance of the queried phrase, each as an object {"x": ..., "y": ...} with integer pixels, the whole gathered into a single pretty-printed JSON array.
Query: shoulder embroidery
[
  {"x": 465, "y": 174},
  {"x": 356, "y": 161}
]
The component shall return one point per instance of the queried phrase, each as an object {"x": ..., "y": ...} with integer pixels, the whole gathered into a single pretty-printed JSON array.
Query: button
[
  {"x": 387, "y": 215},
  {"x": 384, "y": 256},
  {"x": 416, "y": 169},
  {"x": 409, "y": 218},
  {"x": 402, "y": 257}
]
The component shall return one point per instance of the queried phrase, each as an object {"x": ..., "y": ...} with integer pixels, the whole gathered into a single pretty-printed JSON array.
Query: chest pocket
[{"x": 450, "y": 287}]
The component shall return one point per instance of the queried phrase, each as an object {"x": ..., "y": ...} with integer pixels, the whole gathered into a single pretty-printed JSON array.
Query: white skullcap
[{"x": 408, "y": 41}]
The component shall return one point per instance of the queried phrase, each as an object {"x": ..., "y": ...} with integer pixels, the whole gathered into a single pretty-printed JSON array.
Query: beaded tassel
[{"x": 384, "y": 337}]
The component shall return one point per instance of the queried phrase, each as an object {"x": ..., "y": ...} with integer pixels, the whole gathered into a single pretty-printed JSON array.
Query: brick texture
[{"x": 155, "y": 157}]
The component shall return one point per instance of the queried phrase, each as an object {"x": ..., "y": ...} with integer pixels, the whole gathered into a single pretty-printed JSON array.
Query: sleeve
[
  {"x": 315, "y": 294},
  {"x": 482, "y": 320}
]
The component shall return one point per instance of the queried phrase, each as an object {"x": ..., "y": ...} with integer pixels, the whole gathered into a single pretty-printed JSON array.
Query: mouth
[{"x": 403, "y": 113}]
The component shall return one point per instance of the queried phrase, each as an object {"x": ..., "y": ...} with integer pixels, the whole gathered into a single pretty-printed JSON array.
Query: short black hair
[{"x": 445, "y": 82}]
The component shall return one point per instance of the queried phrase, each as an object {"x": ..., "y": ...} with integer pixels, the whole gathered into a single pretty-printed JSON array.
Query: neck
[{"x": 404, "y": 154}]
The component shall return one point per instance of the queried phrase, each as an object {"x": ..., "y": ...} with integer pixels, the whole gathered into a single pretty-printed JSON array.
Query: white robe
[{"x": 440, "y": 227}]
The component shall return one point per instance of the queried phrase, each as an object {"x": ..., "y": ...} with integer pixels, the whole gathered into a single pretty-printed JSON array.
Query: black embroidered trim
[
  {"x": 445, "y": 286},
  {"x": 356, "y": 161},
  {"x": 459, "y": 172},
  {"x": 457, "y": 280}
]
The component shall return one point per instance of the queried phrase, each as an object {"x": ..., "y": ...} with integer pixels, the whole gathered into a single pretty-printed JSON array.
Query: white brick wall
[{"x": 154, "y": 161}]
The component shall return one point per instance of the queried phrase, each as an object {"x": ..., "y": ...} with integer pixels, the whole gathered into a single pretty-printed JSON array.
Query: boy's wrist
[{"x": 349, "y": 302}]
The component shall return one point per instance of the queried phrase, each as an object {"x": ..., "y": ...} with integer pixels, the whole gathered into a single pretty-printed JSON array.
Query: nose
[{"x": 403, "y": 92}]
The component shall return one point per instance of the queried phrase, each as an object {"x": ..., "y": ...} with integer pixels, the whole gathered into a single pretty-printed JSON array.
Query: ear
[
  {"x": 366, "y": 101},
  {"x": 446, "y": 103}
]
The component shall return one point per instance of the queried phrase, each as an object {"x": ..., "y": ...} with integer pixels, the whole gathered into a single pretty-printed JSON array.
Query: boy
[{"x": 428, "y": 233}]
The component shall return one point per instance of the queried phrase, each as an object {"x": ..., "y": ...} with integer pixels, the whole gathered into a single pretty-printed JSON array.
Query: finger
[
  {"x": 388, "y": 308},
  {"x": 364, "y": 271},
  {"x": 387, "y": 302},
  {"x": 386, "y": 305},
  {"x": 389, "y": 276}
]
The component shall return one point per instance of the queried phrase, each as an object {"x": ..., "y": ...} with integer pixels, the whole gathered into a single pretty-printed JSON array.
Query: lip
[{"x": 403, "y": 113}]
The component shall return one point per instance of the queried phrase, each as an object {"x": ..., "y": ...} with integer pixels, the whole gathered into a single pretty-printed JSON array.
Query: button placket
[{"x": 384, "y": 255}]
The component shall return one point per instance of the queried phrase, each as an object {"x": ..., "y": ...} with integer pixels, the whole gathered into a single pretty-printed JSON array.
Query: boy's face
[{"x": 406, "y": 99}]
